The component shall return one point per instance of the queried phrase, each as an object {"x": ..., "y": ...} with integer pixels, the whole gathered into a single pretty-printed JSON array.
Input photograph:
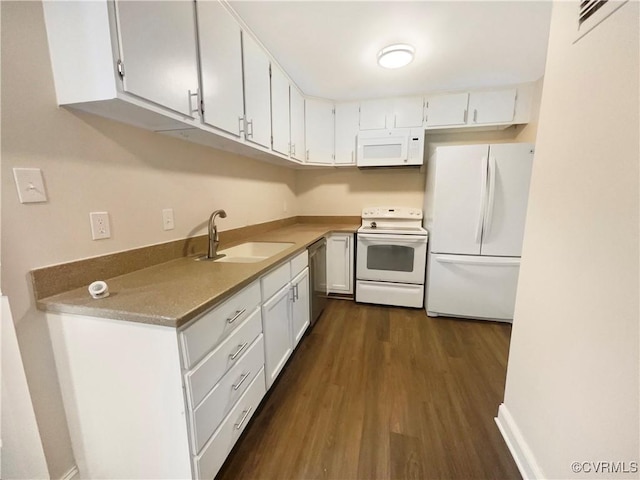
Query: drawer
[
  {"x": 275, "y": 280},
  {"x": 216, "y": 324},
  {"x": 208, "y": 415},
  {"x": 214, "y": 453},
  {"x": 299, "y": 263},
  {"x": 206, "y": 374}
]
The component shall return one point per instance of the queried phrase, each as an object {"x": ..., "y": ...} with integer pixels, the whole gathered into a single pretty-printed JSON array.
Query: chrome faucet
[{"x": 214, "y": 240}]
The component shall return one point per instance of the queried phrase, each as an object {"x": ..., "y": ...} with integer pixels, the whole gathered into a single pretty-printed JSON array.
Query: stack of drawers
[{"x": 223, "y": 366}]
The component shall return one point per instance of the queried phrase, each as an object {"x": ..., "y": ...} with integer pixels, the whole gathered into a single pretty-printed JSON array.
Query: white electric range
[{"x": 391, "y": 257}]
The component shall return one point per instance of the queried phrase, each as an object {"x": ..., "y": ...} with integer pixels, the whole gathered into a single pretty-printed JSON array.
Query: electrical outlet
[
  {"x": 100, "y": 225},
  {"x": 167, "y": 219}
]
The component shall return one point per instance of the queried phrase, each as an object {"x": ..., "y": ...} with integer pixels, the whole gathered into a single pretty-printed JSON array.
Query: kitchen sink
[{"x": 250, "y": 252}]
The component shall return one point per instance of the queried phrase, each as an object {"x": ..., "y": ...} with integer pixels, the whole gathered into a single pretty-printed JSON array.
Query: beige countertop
[{"x": 172, "y": 293}]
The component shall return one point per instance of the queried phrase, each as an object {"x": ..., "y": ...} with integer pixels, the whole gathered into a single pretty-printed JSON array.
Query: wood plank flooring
[{"x": 378, "y": 392}]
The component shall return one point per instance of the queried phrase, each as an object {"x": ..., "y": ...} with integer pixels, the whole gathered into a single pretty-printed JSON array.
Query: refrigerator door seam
[
  {"x": 490, "y": 199},
  {"x": 483, "y": 200}
]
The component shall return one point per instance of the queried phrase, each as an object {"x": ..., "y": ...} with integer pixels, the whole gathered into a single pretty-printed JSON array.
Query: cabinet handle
[
  {"x": 191, "y": 109},
  {"x": 307, "y": 154},
  {"x": 250, "y": 124},
  {"x": 293, "y": 293},
  {"x": 293, "y": 147},
  {"x": 233, "y": 356},
  {"x": 236, "y": 315},
  {"x": 466, "y": 114},
  {"x": 296, "y": 293},
  {"x": 241, "y": 125},
  {"x": 475, "y": 115},
  {"x": 242, "y": 379},
  {"x": 245, "y": 414}
]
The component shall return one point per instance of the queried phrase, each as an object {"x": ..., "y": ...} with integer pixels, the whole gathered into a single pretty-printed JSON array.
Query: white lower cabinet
[
  {"x": 340, "y": 263},
  {"x": 214, "y": 453},
  {"x": 285, "y": 315},
  {"x": 150, "y": 401}
]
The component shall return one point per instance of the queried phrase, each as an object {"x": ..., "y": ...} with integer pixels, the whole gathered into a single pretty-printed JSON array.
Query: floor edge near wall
[{"x": 518, "y": 447}]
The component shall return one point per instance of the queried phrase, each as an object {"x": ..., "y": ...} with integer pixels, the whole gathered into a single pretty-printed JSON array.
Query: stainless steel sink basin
[{"x": 250, "y": 252}]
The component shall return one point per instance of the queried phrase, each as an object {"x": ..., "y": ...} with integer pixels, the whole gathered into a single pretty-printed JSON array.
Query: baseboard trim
[
  {"x": 72, "y": 474},
  {"x": 518, "y": 447}
]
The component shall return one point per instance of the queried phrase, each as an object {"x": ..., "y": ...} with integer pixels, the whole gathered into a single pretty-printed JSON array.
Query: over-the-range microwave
[{"x": 390, "y": 148}]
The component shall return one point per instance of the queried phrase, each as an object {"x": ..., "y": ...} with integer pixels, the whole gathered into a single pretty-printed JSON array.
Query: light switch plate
[{"x": 30, "y": 185}]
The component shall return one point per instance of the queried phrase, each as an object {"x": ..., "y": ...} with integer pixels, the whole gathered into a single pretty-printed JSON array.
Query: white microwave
[{"x": 390, "y": 148}]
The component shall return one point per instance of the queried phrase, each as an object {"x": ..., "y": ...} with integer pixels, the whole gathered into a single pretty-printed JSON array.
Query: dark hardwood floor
[{"x": 377, "y": 392}]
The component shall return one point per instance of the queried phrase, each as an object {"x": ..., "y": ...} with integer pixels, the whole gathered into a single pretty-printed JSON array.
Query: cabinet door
[
  {"x": 407, "y": 112},
  {"x": 276, "y": 325},
  {"x": 280, "y": 112},
  {"x": 297, "y": 125},
  {"x": 446, "y": 110},
  {"x": 340, "y": 263},
  {"x": 319, "y": 131},
  {"x": 221, "y": 67},
  {"x": 157, "y": 42},
  {"x": 300, "y": 317},
  {"x": 346, "y": 132},
  {"x": 257, "y": 105},
  {"x": 492, "y": 107},
  {"x": 373, "y": 114}
]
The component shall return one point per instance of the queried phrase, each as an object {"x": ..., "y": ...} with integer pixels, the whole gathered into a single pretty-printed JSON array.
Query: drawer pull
[
  {"x": 245, "y": 414},
  {"x": 242, "y": 379},
  {"x": 240, "y": 349},
  {"x": 236, "y": 315}
]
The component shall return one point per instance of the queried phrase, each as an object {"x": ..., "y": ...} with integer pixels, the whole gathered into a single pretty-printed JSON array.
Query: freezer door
[
  {"x": 459, "y": 199},
  {"x": 472, "y": 286},
  {"x": 508, "y": 191}
]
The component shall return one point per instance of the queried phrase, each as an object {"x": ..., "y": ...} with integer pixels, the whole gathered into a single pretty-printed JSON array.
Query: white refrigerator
[{"x": 479, "y": 210}]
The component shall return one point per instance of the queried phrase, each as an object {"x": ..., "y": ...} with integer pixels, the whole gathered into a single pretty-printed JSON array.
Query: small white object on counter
[{"x": 99, "y": 289}]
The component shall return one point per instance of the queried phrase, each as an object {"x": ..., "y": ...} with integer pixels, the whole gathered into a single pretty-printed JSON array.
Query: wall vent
[{"x": 593, "y": 12}]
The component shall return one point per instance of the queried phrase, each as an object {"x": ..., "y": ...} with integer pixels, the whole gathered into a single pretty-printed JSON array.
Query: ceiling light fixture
[{"x": 396, "y": 56}]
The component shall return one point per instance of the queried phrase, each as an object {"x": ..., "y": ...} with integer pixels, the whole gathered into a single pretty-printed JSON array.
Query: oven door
[{"x": 391, "y": 258}]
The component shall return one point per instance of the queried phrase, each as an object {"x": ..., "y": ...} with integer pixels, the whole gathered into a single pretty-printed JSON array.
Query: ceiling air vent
[{"x": 593, "y": 12}]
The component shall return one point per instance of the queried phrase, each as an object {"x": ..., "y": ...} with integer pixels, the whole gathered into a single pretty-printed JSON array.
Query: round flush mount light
[{"x": 396, "y": 56}]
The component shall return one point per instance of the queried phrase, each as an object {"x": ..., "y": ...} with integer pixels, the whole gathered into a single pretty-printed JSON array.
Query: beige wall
[
  {"x": 573, "y": 374},
  {"x": 92, "y": 164}
]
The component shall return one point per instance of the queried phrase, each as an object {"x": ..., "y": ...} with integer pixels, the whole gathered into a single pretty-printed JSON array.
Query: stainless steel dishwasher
[{"x": 318, "y": 278}]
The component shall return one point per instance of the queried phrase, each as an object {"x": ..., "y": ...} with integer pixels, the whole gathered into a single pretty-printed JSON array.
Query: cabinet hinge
[{"x": 120, "y": 67}]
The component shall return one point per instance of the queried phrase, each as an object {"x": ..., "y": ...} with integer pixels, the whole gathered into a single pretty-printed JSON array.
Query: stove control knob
[{"x": 374, "y": 225}]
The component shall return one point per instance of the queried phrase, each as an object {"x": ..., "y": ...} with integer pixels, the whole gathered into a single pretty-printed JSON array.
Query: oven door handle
[{"x": 399, "y": 238}]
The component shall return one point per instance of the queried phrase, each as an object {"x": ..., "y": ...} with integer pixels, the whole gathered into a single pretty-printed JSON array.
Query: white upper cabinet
[
  {"x": 407, "y": 112},
  {"x": 221, "y": 67},
  {"x": 319, "y": 131},
  {"x": 401, "y": 112},
  {"x": 297, "y": 124},
  {"x": 346, "y": 132},
  {"x": 158, "y": 53},
  {"x": 280, "y": 111},
  {"x": 374, "y": 113},
  {"x": 257, "y": 103},
  {"x": 446, "y": 109},
  {"x": 492, "y": 107}
]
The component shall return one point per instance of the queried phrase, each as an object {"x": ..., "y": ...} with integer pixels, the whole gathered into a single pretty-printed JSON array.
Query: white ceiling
[{"x": 329, "y": 48}]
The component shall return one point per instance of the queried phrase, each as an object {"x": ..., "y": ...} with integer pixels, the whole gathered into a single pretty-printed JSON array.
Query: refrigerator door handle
[
  {"x": 488, "y": 216},
  {"x": 483, "y": 200},
  {"x": 490, "y": 262}
]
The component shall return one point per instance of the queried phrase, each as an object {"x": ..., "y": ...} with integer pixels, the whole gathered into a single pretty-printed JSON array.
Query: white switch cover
[
  {"x": 100, "y": 225},
  {"x": 167, "y": 219},
  {"x": 30, "y": 185}
]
